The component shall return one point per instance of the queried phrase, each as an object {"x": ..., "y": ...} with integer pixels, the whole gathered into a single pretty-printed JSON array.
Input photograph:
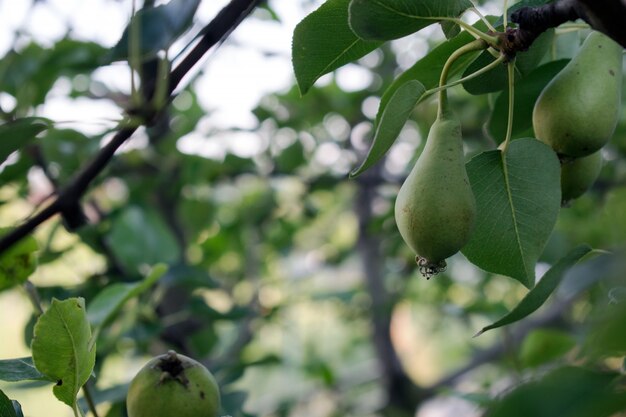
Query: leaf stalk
[{"x": 476, "y": 45}]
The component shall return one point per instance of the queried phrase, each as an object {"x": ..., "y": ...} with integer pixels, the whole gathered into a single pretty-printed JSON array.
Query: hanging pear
[
  {"x": 577, "y": 112},
  {"x": 435, "y": 208},
  {"x": 578, "y": 175}
]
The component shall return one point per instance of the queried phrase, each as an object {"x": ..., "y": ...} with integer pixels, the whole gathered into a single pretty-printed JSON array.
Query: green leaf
[
  {"x": 426, "y": 71},
  {"x": 564, "y": 392},
  {"x": 111, "y": 395},
  {"x": 291, "y": 158},
  {"x": 6, "y": 406},
  {"x": 70, "y": 57},
  {"x": 110, "y": 300},
  {"x": 391, "y": 19},
  {"x": 232, "y": 400},
  {"x": 61, "y": 347},
  {"x": 140, "y": 237},
  {"x": 16, "y": 134},
  {"x": 605, "y": 332},
  {"x": 67, "y": 149},
  {"x": 158, "y": 27},
  {"x": 391, "y": 122},
  {"x": 540, "y": 293},
  {"x": 524, "y": 98},
  {"x": 527, "y": 61},
  {"x": 518, "y": 197},
  {"x": 30, "y": 73},
  {"x": 450, "y": 29},
  {"x": 323, "y": 42},
  {"x": 16, "y": 173},
  {"x": 545, "y": 345},
  {"x": 20, "y": 369},
  {"x": 496, "y": 79},
  {"x": 18, "y": 262}
]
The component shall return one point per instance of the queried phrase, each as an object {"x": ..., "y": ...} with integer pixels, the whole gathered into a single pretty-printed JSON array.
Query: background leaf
[
  {"x": 16, "y": 134},
  {"x": 109, "y": 301},
  {"x": 540, "y": 292},
  {"x": 111, "y": 395},
  {"x": 606, "y": 336},
  {"x": 518, "y": 197},
  {"x": 542, "y": 346},
  {"x": 392, "y": 19},
  {"x": 20, "y": 369},
  {"x": 67, "y": 149},
  {"x": 140, "y": 237},
  {"x": 17, "y": 263},
  {"x": 392, "y": 120},
  {"x": 60, "y": 347},
  {"x": 564, "y": 392},
  {"x": 30, "y": 72},
  {"x": 6, "y": 406},
  {"x": 496, "y": 79},
  {"x": 159, "y": 27},
  {"x": 450, "y": 29},
  {"x": 323, "y": 42}
]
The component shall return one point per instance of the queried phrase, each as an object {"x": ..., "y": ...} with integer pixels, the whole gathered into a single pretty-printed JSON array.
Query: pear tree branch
[{"x": 605, "y": 16}]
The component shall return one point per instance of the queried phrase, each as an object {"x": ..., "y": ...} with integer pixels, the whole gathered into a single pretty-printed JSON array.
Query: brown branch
[
  {"x": 533, "y": 21},
  {"x": 605, "y": 16},
  {"x": 68, "y": 197}
]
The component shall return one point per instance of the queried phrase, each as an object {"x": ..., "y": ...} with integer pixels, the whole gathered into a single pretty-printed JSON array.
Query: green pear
[
  {"x": 578, "y": 110},
  {"x": 578, "y": 175},
  {"x": 173, "y": 385},
  {"x": 435, "y": 209}
]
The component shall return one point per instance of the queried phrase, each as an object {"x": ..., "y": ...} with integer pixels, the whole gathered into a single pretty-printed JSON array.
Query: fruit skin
[
  {"x": 435, "y": 209},
  {"x": 173, "y": 385},
  {"x": 578, "y": 175},
  {"x": 577, "y": 112}
]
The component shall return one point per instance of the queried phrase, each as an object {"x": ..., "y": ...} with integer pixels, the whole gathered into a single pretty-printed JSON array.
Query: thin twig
[
  {"x": 89, "y": 398},
  {"x": 33, "y": 296}
]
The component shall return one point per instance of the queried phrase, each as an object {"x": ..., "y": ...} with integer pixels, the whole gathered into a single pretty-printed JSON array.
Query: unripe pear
[
  {"x": 577, "y": 112},
  {"x": 173, "y": 385},
  {"x": 435, "y": 209},
  {"x": 578, "y": 175}
]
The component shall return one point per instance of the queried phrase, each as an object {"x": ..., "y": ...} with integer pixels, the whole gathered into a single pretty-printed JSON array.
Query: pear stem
[
  {"x": 474, "y": 74},
  {"x": 477, "y": 33},
  {"x": 476, "y": 45},
  {"x": 482, "y": 17},
  {"x": 505, "y": 15},
  {"x": 509, "y": 127}
]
